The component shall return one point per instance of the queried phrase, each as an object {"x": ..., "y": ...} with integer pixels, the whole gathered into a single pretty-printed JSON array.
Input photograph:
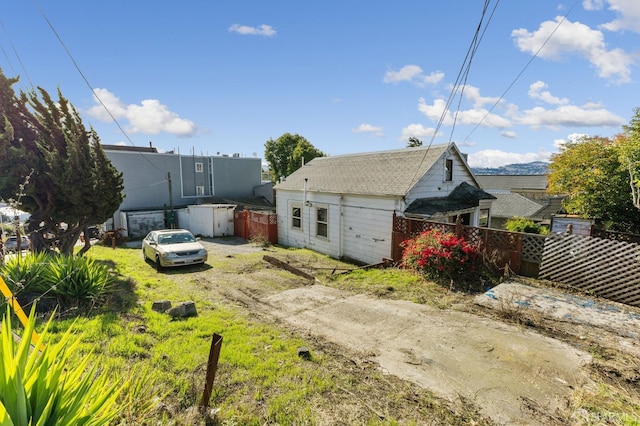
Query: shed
[{"x": 211, "y": 220}]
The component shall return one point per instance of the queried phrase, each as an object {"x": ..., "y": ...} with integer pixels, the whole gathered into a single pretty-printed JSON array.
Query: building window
[
  {"x": 322, "y": 222},
  {"x": 448, "y": 170},
  {"x": 296, "y": 217},
  {"x": 199, "y": 168},
  {"x": 483, "y": 219},
  {"x": 199, "y": 190}
]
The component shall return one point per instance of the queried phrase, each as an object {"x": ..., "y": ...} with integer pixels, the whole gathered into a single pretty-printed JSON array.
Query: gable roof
[
  {"x": 384, "y": 173},
  {"x": 510, "y": 205},
  {"x": 512, "y": 182}
]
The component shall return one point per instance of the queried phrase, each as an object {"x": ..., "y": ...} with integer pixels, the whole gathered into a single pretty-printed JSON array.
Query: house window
[
  {"x": 322, "y": 222},
  {"x": 483, "y": 219},
  {"x": 199, "y": 190},
  {"x": 296, "y": 217},
  {"x": 448, "y": 170},
  {"x": 199, "y": 168}
]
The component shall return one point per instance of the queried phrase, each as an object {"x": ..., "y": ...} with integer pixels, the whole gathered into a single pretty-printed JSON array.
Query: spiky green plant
[
  {"x": 41, "y": 386},
  {"x": 26, "y": 273},
  {"x": 77, "y": 280},
  {"x": 72, "y": 281}
]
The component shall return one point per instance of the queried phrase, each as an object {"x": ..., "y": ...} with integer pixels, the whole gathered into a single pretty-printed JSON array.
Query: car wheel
[
  {"x": 158, "y": 265},
  {"x": 144, "y": 255}
]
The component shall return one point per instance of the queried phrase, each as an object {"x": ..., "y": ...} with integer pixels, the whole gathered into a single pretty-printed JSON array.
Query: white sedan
[{"x": 173, "y": 247}]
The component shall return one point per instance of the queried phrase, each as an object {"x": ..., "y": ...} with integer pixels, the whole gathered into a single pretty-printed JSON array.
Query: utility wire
[
  {"x": 64, "y": 46},
  {"x": 16, "y": 53},
  {"x": 564, "y": 18},
  {"x": 463, "y": 74}
]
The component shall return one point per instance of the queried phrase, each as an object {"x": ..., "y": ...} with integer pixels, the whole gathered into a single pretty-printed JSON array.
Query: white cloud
[
  {"x": 592, "y": 4},
  {"x": 497, "y": 158},
  {"x": 263, "y": 30},
  {"x": 509, "y": 134},
  {"x": 628, "y": 12},
  {"x": 471, "y": 116},
  {"x": 473, "y": 94},
  {"x": 536, "y": 92},
  {"x": 368, "y": 128},
  {"x": 413, "y": 74},
  {"x": 573, "y": 137},
  {"x": 575, "y": 37},
  {"x": 568, "y": 115},
  {"x": 417, "y": 131},
  {"x": 150, "y": 117}
]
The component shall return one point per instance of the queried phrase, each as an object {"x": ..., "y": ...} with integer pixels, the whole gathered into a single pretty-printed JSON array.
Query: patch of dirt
[
  {"x": 479, "y": 352},
  {"x": 501, "y": 368}
]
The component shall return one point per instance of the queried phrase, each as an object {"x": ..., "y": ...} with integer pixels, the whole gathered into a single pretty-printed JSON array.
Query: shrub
[
  {"x": 520, "y": 224},
  {"x": 71, "y": 281},
  {"x": 441, "y": 257},
  {"x": 42, "y": 387},
  {"x": 77, "y": 281}
]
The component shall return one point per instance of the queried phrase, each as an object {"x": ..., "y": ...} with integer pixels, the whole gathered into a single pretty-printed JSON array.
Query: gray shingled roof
[
  {"x": 511, "y": 205},
  {"x": 374, "y": 173},
  {"x": 512, "y": 182}
]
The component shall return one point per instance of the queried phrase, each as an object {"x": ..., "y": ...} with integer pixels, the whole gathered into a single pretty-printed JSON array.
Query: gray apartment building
[{"x": 155, "y": 181}]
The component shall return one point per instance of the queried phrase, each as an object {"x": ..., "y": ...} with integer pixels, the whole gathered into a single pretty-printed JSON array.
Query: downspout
[
  {"x": 308, "y": 213},
  {"x": 304, "y": 192},
  {"x": 340, "y": 230}
]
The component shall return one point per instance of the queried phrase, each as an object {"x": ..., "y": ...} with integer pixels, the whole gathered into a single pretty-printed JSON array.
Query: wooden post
[{"x": 212, "y": 367}]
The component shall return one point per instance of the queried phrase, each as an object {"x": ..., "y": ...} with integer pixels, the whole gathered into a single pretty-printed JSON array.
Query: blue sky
[{"x": 224, "y": 77}]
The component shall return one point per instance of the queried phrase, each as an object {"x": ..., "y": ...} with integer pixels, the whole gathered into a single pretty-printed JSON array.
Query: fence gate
[{"x": 607, "y": 268}]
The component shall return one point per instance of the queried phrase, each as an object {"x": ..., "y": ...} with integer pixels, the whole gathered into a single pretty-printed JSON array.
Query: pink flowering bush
[{"x": 442, "y": 257}]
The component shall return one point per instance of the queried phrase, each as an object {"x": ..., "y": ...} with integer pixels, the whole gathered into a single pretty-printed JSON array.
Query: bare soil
[{"x": 519, "y": 353}]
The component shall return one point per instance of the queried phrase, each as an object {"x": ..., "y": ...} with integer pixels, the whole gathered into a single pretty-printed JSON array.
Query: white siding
[
  {"x": 359, "y": 227},
  {"x": 367, "y": 228},
  {"x": 306, "y": 237},
  {"x": 433, "y": 183}
]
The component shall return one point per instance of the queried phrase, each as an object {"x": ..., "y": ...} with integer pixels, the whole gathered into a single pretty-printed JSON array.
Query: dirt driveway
[{"x": 515, "y": 375}]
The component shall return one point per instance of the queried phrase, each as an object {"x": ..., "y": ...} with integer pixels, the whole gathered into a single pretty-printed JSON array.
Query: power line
[
  {"x": 461, "y": 79},
  {"x": 564, "y": 18},
  {"x": 15, "y": 53},
  {"x": 64, "y": 46}
]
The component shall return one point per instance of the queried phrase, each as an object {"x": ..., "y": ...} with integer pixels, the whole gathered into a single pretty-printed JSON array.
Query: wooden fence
[
  {"x": 254, "y": 224},
  {"x": 605, "y": 267},
  {"x": 521, "y": 252}
]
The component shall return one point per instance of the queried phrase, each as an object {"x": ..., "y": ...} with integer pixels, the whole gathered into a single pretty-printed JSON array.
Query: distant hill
[{"x": 533, "y": 168}]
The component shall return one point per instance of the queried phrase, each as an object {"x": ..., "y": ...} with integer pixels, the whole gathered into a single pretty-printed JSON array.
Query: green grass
[{"x": 260, "y": 378}]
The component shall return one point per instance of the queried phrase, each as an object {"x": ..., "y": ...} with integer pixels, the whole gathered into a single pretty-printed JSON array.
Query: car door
[{"x": 150, "y": 251}]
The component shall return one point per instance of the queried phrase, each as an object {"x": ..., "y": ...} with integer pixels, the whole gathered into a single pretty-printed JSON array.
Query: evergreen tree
[{"x": 73, "y": 185}]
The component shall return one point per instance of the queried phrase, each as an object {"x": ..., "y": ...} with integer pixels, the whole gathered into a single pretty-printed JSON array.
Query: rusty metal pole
[{"x": 212, "y": 367}]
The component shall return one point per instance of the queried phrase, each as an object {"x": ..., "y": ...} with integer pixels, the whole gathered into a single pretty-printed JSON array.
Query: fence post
[
  {"x": 212, "y": 367},
  {"x": 458, "y": 226}
]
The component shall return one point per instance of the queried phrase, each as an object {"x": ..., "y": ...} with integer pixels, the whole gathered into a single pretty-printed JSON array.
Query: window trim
[
  {"x": 481, "y": 216},
  {"x": 448, "y": 170},
  {"x": 319, "y": 222},
  {"x": 199, "y": 167},
  {"x": 294, "y": 217},
  {"x": 199, "y": 190}
]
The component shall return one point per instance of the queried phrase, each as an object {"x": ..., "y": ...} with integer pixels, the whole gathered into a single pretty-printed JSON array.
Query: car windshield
[{"x": 176, "y": 238}]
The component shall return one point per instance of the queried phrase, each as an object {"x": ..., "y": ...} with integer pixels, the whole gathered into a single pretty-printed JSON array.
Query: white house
[{"x": 343, "y": 205}]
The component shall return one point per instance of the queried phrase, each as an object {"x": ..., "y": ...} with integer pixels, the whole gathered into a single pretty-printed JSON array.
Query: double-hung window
[
  {"x": 322, "y": 222},
  {"x": 296, "y": 217}
]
